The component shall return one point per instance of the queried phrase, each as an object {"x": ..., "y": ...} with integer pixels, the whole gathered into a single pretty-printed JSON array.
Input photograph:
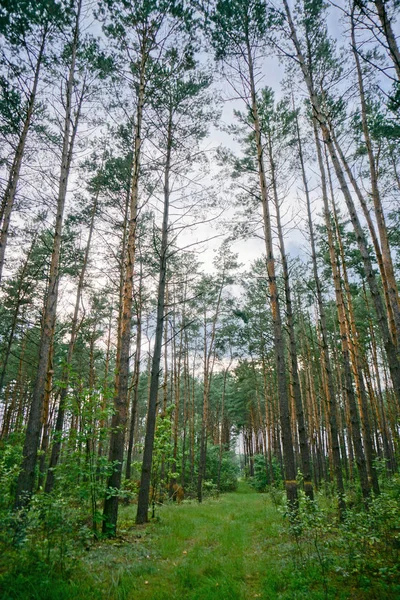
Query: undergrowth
[
  {"x": 235, "y": 546},
  {"x": 359, "y": 552}
]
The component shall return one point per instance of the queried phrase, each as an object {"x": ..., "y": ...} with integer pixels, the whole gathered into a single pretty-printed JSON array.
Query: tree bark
[
  {"x": 357, "y": 366},
  {"x": 136, "y": 378},
  {"x": 389, "y": 35},
  {"x": 330, "y": 390},
  {"x": 120, "y": 416},
  {"x": 209, "y": 351},
  {"x": 56, "y": 446},
  {"x": 320, "y": 119},
  {"x": 144, "y": 491},
  {"x": 301, "y": 424},
  {"x": 177, "y": 396},
  {"x": 222, "y": 445},
  {"x": 388, "y": 275},
  {"x": 347, "y": 379},
  {"x": 288, "y": 451},
  {"x": 22, "y": 290}
]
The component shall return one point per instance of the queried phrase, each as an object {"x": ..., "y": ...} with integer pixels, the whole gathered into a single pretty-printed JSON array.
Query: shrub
[{"x": 229, "y": 469}]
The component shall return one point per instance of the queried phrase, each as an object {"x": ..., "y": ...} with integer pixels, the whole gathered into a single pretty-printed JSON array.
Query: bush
[
  {"x": 10, "y": 461},
  {"x": 260, "y": 480},
  {"x": 229, "y": 469},
  {"x": 262, "y": 477},
  {"x": 362, "y": 551}
]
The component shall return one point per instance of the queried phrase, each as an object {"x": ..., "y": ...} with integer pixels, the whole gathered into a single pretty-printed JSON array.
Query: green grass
[
  {"x": 209, "y": 551},
  {"x": 232, "y": 548}
]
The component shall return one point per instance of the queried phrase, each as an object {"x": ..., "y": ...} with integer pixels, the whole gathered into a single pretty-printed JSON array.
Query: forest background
[{"x": 199, "y": 254}]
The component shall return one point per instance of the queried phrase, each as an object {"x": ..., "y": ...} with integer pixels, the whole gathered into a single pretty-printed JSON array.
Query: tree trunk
[
  {"x": 330, "y": 391},
  {"x": 46, "y": 418},
  {"x": 20, "y": 299},
  {"x": 177, "y": 395},
  {"x": 357, "y": 367},
  {"x": 56, "y": 447},
  {"x": 209, "y": 351},
  {"x": 388, "y": 276},
  {"x": 389, "y": 35},
  {"x": 144, "y": 491},
  {"x": 347, "y": 379},
  {"x": 136, "y": 378},
  {"x": 186, "y": 403},
  {"x": 374, "y": 238},
  {"x": 279, "y": 346},
  {"x": 301, "y": 424},
  {"x": 120, "y": 417},
  {"x": 26, "y": 479},
  {"x": 222, "y": 445},
  {"x": 320, "y": 119},
  {"x": 13, "y": 180}
]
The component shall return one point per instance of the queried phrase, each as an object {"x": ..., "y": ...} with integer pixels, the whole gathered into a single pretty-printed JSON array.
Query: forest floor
[
  {"x": 224, "y": 549},
  {"x": 235, "y": 547}
]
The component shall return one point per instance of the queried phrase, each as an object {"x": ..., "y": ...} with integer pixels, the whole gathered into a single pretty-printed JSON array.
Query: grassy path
[
  {"x": 232, "y": 548},
  {"x": 213, "y": 551}
]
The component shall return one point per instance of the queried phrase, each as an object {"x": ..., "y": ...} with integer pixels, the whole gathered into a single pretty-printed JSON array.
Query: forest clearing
[{"x": 199, "y": 299}]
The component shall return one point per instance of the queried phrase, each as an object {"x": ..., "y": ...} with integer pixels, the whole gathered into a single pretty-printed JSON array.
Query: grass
[
  {"x": 232, "y": 548},
  {"x": 208, "y": 551}
]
